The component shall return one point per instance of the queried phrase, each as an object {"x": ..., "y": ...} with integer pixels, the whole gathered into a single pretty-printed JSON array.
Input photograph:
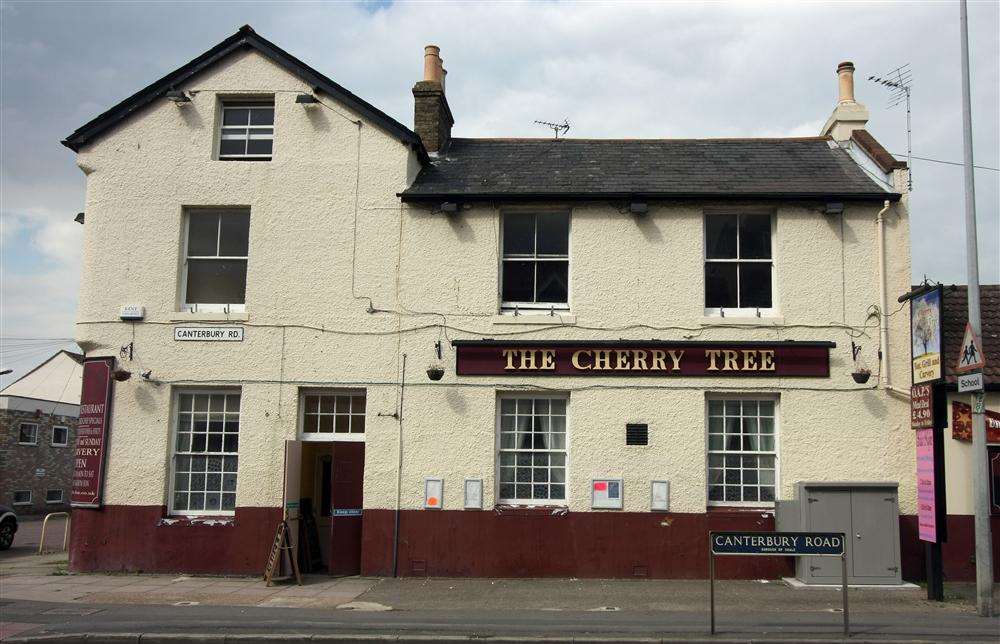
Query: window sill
[
  {"x": 511, "y": 510},
  {"x": 219, "y": 316},
  {"x": 713, "y": 320},
  {"x": 220, "y": 520},
  {"x": 767, "y": 508},
  {"x": 540, "y": 318}
]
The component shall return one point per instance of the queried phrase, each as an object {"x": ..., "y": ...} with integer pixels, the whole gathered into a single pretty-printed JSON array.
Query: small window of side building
[
  {"x": 739, "y": 264},
  {"x": 216, "y": 251},
  {"x": 60, "y": 436},
  {"x": 246, "y": 130},
  {"x": 27, "y": 434},
  {"x": 22, "y": 497},
  {"x": 534, "y": 272},
  {"x": 53, "y": 496}
]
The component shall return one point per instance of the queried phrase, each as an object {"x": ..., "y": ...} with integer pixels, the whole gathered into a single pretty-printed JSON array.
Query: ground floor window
[
  {"x": 53, "y": 496},
  {"x": 742, "y": 451},
  {"x": 532, "y": 448},
  {"x": 22, "y": 497},
  {"x": 206, "y": 448},
  {"x": 330, "y": 415}
]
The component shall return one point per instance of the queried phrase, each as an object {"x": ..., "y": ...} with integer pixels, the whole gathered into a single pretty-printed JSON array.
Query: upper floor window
[
  {"x": 739, "y": 265},
  {"x": 27, "y": 434},
  {"x": 60, "y": 436},
  {"x": 535, "y": 263},
  {"x": 215, "y": 260},
  {"x": 247, "y": 131}
]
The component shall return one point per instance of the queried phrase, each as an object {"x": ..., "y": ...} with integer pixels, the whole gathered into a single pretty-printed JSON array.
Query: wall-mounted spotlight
[
  {"x": 79, "y": 218},
  {"x": 178, "y": 96},
  {"x": 834, "y": 208},
  {"x": 449, "y": 207},
  {"x": 638, "y": 208},
  {"x": 306, "y": 100}
]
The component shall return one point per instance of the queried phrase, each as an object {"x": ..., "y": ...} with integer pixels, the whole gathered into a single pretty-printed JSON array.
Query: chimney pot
[
  {"x": 845, "y": 72},
  {"x": 432, "y": 64}
]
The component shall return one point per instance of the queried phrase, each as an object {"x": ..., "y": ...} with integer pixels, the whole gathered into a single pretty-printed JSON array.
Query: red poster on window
[{"x": 92, "y": 433}]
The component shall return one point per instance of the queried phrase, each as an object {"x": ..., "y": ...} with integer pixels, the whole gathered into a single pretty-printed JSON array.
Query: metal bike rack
[{"x": 45, "y": 524}]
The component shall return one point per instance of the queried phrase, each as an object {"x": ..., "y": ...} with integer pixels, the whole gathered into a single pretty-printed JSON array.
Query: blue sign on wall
[
  {"x": 778, "y": 543},
  {"x": 347, "y": 512}
]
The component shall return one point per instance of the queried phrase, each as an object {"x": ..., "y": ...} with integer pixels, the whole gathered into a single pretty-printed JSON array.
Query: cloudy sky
[{"x": 614, "y": 70}]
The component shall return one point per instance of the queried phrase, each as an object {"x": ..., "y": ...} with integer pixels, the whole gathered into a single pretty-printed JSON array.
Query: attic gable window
[
  {"x": 535, "y": 266},
  {"x": 247, "y": 131},
  {"x": 739, "y": 264}
]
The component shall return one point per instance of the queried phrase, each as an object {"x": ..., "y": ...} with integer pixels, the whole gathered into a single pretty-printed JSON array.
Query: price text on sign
[
  {"x": 926, "y": 496},
  {"x": 921, "y": 407},
  {"x": 778, "y": 543}
]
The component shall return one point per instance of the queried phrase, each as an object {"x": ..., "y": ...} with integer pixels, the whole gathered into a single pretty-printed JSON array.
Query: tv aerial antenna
[
  {"x": 556, "y": 127},
  {"x": 899, "y": 82}
]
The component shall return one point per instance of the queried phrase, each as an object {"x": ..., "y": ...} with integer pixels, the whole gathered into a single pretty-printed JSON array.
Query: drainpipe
[{"x": 883, "y": 325}]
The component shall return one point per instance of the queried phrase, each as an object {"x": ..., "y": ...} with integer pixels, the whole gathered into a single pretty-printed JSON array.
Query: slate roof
[
  {"x": 533, "y": 169},
  {"x": 245, "y": 38},
  {"x": 954, "y": 317}
]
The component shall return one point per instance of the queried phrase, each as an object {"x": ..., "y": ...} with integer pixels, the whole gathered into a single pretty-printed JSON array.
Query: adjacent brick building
[{"x": 38, "y": 417}]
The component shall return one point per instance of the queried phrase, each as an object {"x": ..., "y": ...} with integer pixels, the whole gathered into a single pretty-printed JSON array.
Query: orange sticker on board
[{"x": 432, "y": 501}]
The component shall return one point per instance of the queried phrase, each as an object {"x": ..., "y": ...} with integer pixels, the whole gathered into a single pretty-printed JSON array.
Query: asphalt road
[{"x": 557, "y": 625}]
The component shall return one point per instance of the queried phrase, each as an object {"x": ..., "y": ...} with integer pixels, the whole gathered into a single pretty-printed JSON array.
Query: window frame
[
  {"x": 331, "y": 437},
  {"x": 34, "y": 440},
  {"x": 62, "y": 497},
  {"x": 172, "y": 450},
  {"x": 244, "y": 102},
  {"x": 199, "y": 307},
  {"x": 774, "y": 397},
  {"x": 52, "y": 440},
  {"x": 497, "y": 451},
  {"x": 740, "y": 312},
  {"x": 535, "y": 308},
  {"x": 15, "y": 502}
]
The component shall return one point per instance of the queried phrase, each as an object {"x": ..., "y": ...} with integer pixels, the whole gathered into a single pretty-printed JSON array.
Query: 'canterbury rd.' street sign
[{"x": 796, "y": 544}]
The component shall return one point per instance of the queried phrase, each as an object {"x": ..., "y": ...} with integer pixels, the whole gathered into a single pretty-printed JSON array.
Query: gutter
[{"x": 436, "y": 198}]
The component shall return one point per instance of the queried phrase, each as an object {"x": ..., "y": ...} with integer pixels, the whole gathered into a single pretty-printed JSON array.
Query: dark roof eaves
[
  {"x": 245, "y": 37},
  {"x": 417, "y": 197}
]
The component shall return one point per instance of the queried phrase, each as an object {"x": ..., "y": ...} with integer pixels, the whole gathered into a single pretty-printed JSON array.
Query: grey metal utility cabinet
[{"x": 868, "y": 512}]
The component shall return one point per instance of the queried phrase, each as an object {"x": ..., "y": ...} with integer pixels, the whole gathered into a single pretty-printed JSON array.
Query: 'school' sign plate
[{"x": 829, "y": 544}]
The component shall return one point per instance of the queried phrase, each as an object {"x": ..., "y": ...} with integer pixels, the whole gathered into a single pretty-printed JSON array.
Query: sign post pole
[
  {"x": 711, "y": 586},
  {"x": 843, "y": 587}
]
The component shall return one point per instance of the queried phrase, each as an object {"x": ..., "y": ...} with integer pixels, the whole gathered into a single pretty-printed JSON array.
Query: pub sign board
[
  {"x": 925, "y": 336},
  {"x": 642, "y": 358},
  {"x": 793, "y": 544},
  {"x": 92, "y": 433}
]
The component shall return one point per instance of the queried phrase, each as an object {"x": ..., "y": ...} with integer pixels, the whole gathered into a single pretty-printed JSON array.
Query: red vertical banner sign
[
  {"x": 92, "y": 433},
  {"x": 926, "y": 497}
]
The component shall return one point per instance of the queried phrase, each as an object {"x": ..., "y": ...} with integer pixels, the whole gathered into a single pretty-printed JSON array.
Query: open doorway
[{"x": 328, "y": 472}]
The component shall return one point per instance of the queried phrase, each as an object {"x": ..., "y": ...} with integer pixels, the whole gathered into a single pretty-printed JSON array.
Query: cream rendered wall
[{"x": 429, "y": 277}]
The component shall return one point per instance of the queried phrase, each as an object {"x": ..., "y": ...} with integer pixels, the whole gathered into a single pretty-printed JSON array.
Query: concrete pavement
[{"x": 39, "y": 599}]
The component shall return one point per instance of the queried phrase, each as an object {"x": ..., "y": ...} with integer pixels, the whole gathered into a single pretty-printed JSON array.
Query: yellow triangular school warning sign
[{"x": 970, "y": 355}]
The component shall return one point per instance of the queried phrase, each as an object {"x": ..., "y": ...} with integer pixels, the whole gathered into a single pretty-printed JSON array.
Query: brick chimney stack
[
  {"x": 848, "y": 115},
  {"x": 432, "y": 119}
]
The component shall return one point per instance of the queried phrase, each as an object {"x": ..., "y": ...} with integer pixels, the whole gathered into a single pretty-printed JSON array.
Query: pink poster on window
[{"x": 926, "y": 503}]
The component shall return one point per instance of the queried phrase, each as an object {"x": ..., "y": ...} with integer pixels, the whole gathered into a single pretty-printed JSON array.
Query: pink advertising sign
[{"x": 926, "y": 501}]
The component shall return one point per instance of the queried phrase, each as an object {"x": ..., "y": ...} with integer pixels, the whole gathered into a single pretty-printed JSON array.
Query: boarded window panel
[
  {"x": 233, "y": 146},
  {"x": 203, "y": 235},
  {"x": 553, "y": 234},
  {"x": 553, "y": 282},
  {"x": 258, "y": 145},
  {"x": 518, "y": 234},
  {"x": 720, "y": 285},
  {"x": 755, "y": 237},
  {"x": 214, "y": 281},
  {"x": 235, "y": 116},
  {"x": 235, "y": 234},
  {"x": 518, "y": 281},
  {"x": 262, "y": 116},
  {"x": 720, "y": 236},
  {"x": 755, "y": 285}
]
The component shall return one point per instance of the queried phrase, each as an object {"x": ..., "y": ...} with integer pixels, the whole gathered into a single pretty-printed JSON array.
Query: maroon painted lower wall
[
  {"x": 958, "y": 552},
  {"x": 539, "y": 543},
  {"x": 145, "y": 539}
]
